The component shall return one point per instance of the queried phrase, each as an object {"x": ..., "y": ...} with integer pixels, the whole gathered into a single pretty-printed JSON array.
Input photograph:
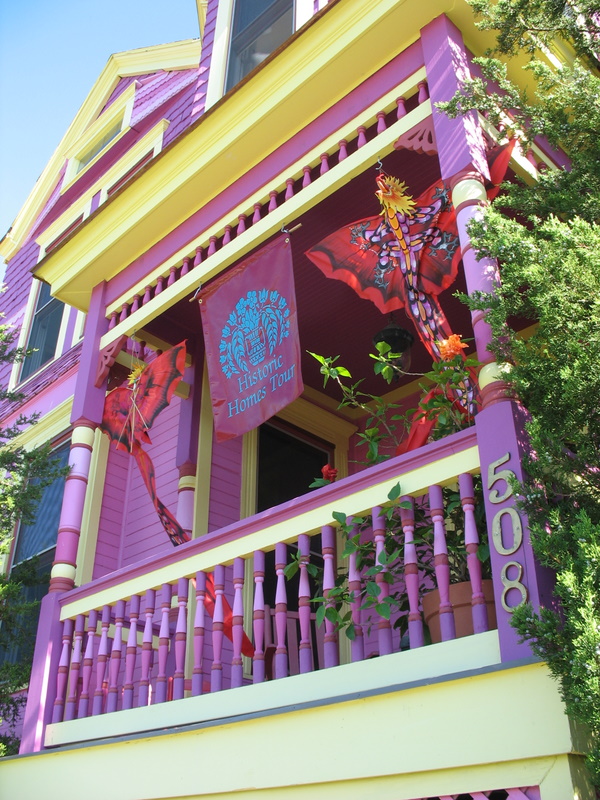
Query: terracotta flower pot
[{"x": 460, "y": 597}]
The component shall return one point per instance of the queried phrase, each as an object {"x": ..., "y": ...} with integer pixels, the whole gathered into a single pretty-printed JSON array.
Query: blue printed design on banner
[{"x": 257, "y": 325}]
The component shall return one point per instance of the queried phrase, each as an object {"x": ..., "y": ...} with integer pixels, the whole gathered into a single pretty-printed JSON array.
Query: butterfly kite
[
  {"x": 129, "y": 413},
  {"x": 407, "y": 255}
]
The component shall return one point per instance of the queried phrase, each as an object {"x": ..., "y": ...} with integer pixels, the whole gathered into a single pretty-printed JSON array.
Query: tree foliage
[
  {"x": 23, "y": 476},
  {"x": 547, "y": 239}
]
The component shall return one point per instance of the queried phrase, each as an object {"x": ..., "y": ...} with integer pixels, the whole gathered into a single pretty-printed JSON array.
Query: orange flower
[
  {"x": 450, "y": 347},
  {"x": 329, "y": 473}
]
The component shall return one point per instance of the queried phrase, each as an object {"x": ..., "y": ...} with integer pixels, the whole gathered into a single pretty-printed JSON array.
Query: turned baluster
[
  {"x": 212, "y": 246},
  {"x": 281, "y": 655},
  {"x": 186, "y": 266},
  {"x": 306, "y": 178},
  {"x": 101, "y": 663},
  {"x": 423, "y": 92},
  {"x": 272, "y": 201},
  {"x": 71, "y": 706},
  {"x": 324, "y": 163},
  {"x": 63, "y": 671},
  {"x": 384, "y": 628},
  {"x": 330, "y": 646},
  {"x": 381, "y": 124},
  {"x": 343, "y": 151},
  {"x": 478, "y": 607},
  {"x": 401, "y": 104},
  {"x": 160, "y": 285},
  {"x": 241, "y": 224},
  {"x": 113, "y": 320},
  {"x": 147, "y": 651},
  {"x": 199, "y": 634},
  {"x": 131, "y": 651},
  {"x": 237, "y": 622},
  {"x": 257, "y": 213},
  {"x": 88, "y": 663},
  {"x": 198, "y": 256},
  {"x": 305, "y": 649},
  {"x": 216, "y": 673},
  {"x": 258, "y": 618},
  {"x": 362, "y": 136},
  {"x": 115, "y": 659},
  {"x": 164, "y": 636},
  {"x": 354, "y": 586},
  {"x": 124, "y": 312},
  {"x": 226, "y": 235},
  {"x": 442, "y": 567},
  {"x": 172, "y": 276},
  {"x": 289, "y": 188},
  {"x": 147, "y": 295},
  {"x": 137, "y": 301},
  {"x": 411, "y": 575},
  {"x": 180, "y": 639}
]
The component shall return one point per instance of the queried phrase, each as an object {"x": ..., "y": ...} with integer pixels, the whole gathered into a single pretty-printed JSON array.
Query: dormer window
[
  {"x": 258, "y": 28},
  {"x": 112, "y": 124},
  {"x": 95, "y": 150}
]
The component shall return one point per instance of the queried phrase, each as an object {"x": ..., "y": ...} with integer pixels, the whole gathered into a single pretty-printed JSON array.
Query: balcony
[{"x": 162, "y": 643}]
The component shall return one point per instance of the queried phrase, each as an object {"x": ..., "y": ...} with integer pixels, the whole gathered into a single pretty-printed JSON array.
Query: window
[
  {"x": 107, "y": 137},
  {"x": 44, "y": 331},
  {"x": 258, "y": 28},
  {"x": 36, "y": 540}
]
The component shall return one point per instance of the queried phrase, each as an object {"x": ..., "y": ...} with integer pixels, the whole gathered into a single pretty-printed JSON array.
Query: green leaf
[
  {"x": 394, "y": 492},
  {"x": 320, "y": 615},
  {"x": 340, "y": 517},
  {"x": 383, "y": 610},
  {"x": 373, "y": 589},
  {"x": 291, "y": 569}
]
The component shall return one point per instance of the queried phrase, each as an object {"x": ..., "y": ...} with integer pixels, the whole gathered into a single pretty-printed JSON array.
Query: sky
[{"x": 51, "y": 53}]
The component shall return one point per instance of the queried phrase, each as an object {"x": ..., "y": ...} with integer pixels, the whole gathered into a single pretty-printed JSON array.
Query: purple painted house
[{"x": 200, "y": 197}]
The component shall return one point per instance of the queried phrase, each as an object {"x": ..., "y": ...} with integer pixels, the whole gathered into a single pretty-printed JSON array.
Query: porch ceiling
[{"x": 333, "y": 320}]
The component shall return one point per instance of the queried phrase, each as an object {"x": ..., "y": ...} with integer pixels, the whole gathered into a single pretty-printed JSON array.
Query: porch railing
[{"x": 177, "y": 626}]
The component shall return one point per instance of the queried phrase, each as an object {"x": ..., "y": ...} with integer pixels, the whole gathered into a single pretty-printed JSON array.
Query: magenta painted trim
[
  {"x": 335, "y": 492},
  {"x": 88, "y": 402},
  {"x": 392, "y": 74},
  {"x": 460, "y": 141}
]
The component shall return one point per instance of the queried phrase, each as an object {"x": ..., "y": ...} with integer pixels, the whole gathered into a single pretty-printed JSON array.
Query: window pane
[
  {"x": 41, "y": 535},
  {"x": 258, "y": 28},
  {"x": 43, "y": 336}
]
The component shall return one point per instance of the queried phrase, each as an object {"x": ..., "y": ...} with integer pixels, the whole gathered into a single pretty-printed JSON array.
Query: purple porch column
[
  {"x": 88, "y": 403},
  {"x": 187, "y": 446},
  {"x": 499, "y": 424}
]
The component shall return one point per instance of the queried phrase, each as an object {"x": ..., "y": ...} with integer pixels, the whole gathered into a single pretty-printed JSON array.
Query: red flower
[
  {"x": 329, "y": 473},
  {"x": 450, "y": 347}
]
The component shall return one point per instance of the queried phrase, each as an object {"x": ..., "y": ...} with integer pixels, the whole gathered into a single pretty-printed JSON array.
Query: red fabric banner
[{"x": 250, "y": 329}]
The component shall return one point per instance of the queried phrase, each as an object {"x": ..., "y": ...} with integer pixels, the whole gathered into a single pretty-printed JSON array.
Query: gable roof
[{"x": 182, "y": 55}]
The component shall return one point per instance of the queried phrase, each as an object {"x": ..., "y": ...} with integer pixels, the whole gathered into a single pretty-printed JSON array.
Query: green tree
[
  {"x": 547, "y": 240},
  {"x": 23, "y": 476}
]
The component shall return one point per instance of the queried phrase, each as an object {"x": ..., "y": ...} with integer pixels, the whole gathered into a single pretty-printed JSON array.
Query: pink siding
[
  {"x": 225, "y": 483},
  {"x": 205, "y": 58},
  {"x": 111, "y": 516}
]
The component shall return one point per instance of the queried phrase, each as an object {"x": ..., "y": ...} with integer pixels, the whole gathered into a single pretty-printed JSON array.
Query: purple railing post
[
  {"x": 112, "y": 701},
  {"x": 355, "y": 586},
  {"x": 343, "y": 151},
  {"x": 258, "y": 618},
  {"x": 281, "y": 655},
  {"x": 147, "y": 652},
  {"x": 163, "y": 643},
  {"x": 63, "y": 671},
  {"x": 441, "y": 565},
  {"x": 384, "y": 628},
  {"x": 131, "y": 651},
  {"x": 199, "y": 634},
  {"x": 237, "y": 623},
  {"x": 411, "y": 575},
  {"x": 478, "y": 607},
  {"x": 101, "y": 663},
  {"x": 88, "y": 663},
  {"x": 71, "y": 706},
  {"x": 305, "y": 650},
  {"x": 216, "y": 672},
  {"x": 180, "y": 639},
  {"x": 330, "y": 648}
]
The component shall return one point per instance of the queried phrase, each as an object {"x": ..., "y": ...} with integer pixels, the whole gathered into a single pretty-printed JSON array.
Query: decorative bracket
[
  {"x": 421, "y": 138},
  {"x": 107, "y": 358}
]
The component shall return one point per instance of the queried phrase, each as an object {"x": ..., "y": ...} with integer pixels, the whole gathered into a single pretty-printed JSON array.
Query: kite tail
[{"x": 174, "y": 530}]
